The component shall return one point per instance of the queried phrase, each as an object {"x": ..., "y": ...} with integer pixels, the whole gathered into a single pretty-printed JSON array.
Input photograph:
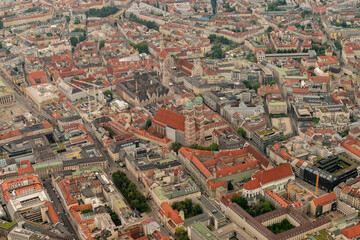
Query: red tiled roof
[
  {"x": 325, "y": 199},
  {"x": 163, "y": 54},
  {"x": 252, "y": 184},
  {"x": 277, "y": 198},
  {"x": 52, "y": 213},
  {"x": 158, "y": 235},
  {"x": 46, "y": 124},
  {"x": 214, "y": 186},
  {"x": 171, "y": 213},
  {"x": 274, "y": 174},
  {"x": 322, "y": 79},
  {"x": 300, "y": 90},
  {"x": 10, "y": 134},
  {"x": 351, "y": 232},
  {"x": 170, "y": 118},
  {"x": 237, "y": 168},
  {"x": 37, "y": 78},
  {"x": 270, "y": 89}
]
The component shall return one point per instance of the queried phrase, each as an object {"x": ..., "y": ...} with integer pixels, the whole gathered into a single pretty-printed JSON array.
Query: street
[{"x": 59, "y": 208}]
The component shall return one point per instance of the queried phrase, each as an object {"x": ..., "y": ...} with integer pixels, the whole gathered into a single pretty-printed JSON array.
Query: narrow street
[{"x": 59, "y": 208}]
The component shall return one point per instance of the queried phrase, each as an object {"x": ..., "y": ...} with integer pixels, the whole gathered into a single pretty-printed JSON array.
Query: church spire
[{"x": 162, "y": 47}]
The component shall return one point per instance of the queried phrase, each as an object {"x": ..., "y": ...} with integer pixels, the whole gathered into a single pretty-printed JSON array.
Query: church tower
[
  {"x": 162, "y": 46},
  {"x": 190, "y": 137},
  {"x": 165, "y": 76},
  {"x": 165, "y": 62},
  {"x": 199, "y": 118},
  {"x": 197, "y": 69}
]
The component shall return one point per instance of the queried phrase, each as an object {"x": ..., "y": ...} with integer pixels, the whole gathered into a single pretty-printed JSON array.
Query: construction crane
[
  {"x": 95, "y": 90},
  {"x": 87, "y": 92},
  {"x": 57, "y": 107},
  {"x": 317, "y": 183},
  {"x": 56, "y": 103},
  {"x": 147, "y": 192}
]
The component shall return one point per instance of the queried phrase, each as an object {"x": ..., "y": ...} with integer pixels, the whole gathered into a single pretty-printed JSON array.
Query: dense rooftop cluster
[{"x": 176, "y": 119}]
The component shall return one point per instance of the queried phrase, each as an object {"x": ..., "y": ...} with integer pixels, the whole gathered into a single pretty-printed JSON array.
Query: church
[{"x": 186, "y": 128}]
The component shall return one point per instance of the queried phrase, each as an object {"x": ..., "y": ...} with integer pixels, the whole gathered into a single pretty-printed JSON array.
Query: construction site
[
  {"x": 94, "y": 102},
  {"x": 305, "y": 200}
]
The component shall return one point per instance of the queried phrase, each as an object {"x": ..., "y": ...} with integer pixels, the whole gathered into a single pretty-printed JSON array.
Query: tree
[
  {"x": 241, "y": 201},
  {"x": 212, "y": 38},
  {"x": 256, "y": 86},
  {"x": 131, "y": 194},
  {"x": 214, "y": 5},
  {"x": 141, "y": 47},
  {"x": 188, "y": 208},
  {"x": 305, "y": 13},
  {"x": 269, "y": 51},
  {"x": 219, "y": 39},
  {"x": 337, "y": 44},
  {"x": 230, "y": 186},
  {"x": 148, "y": 124},
  {"x": 311, "y": 68},
  {"x": 315, "y": 120},
  {"x": 1, "y": 46},
  {"x": 271, "y": 83},
  {"x": 148, "y": 24},
  {"x": 74, "y": 41},
  {"x": 82, "y": 38},
  {"x": 217, "y": 52},
  {"x": 283, "y": 226},
  {"x": 7, "y": 51},
  {"x": 182, "y": 234},
  {"x": 212, "y": 147},
  {"x": 102, "y": 12},
  {"x": 77, "y": 21},
  {"x": 269, "y": 29},
  {"x": 176, "y": 147},
  {"x": 102, "y": 44},
  {"x": 242, "y": 132},
  {"x": 109, "y": 94}
]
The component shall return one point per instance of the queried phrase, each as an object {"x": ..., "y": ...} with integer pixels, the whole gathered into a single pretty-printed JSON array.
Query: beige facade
[
  {"x": 277, "y": 107},
  {"x": 7, "y": 99},
  {"x": 25, "y": 20}
]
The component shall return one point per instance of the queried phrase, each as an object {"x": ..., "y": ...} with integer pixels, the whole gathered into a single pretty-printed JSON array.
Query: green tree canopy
[{"x": 102, "y": 12}]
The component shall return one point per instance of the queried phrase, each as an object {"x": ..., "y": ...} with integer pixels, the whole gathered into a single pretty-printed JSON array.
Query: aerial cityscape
[{"x": 179, "y": 119}]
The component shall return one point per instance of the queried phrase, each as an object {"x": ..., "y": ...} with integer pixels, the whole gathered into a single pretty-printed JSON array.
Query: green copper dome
[
  {"x": 189, "y": 104},
  {"x": 199, "y": 100}
]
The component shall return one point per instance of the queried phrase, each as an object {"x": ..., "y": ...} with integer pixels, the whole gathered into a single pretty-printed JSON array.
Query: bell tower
[
  {"x": 190, "y": 137},
  {"x": 197, "y": 69},
  {"x": 199, "y": 118}
]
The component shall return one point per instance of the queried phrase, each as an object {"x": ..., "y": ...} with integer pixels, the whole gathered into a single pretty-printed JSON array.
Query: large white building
[
  {"x": 42, "y": 94},
  {"x": 71, "y": 93},
  {"x": 274, "y": 179}
]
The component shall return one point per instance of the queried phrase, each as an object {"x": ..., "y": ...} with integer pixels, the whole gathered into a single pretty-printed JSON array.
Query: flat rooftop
[{"x": 212, "y": 209}]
